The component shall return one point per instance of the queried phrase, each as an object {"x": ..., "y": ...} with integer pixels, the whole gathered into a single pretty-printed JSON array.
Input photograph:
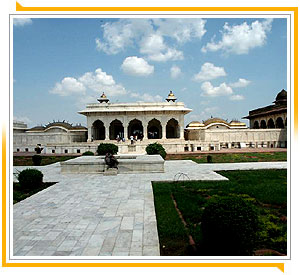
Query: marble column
[
  {"x": 126, "y": 131},
  {"x": 89, "y": 134},
  {"x": 106, "y": 131},
  {"x": 145, "y": 126},
  {"x": 164, "y": 130},
  {"x": 181, "y": 132}
]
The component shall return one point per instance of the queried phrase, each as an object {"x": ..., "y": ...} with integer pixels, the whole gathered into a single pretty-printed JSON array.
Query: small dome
[
  {"x": 194, "y": 125},
  {"x": 37, "y": 128},
  {"x": 281, "y": 97},
  {"x": 63, "y": 123},
  {"x": 103, "y": 98},
  {"x": 236, "y": 123},
  {"x": 215, "y": 120},
  {"x": 171, "y": 97}
]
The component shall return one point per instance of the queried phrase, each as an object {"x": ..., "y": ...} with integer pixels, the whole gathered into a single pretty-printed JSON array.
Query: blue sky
[{"x": 220, "y": 67}]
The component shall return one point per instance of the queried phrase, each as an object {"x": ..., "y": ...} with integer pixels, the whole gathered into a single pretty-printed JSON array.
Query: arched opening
[
  {"x": 116, "y": 129},
  {"x": 256, "y": 125},
  {"x": 263, "y": 124},
  {"x": 279, "y": 123},
  {"x": 154, "y": 129},
  {"x": 135, "y": 129},
  {"x": 98, "y": 130},
  {"x": 172, "y": 129},
  {"x": 271, "y": 124}
]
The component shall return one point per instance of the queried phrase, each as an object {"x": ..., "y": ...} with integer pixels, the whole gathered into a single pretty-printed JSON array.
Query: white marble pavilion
[{"x": 151, "y": 120}]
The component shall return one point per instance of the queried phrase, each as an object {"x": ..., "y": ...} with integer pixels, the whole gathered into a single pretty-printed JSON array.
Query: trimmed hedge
[
  {"x": 156, "y": 149},
  {"x": 88, "y": 153},
  {"x": 30, "y": 178},
  {"x": 105, "y": 148},
  {"x": 209, "y": 159},
  {"x": 229, "y": 226},
  {"x": 37, "y": 159}
]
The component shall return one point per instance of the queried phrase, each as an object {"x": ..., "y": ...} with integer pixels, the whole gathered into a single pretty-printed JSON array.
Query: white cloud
[
  {"x": 239, "y": 39},
  {"x": 208, "y": 72},
  {"x": 68, "y": 86},
  {"x": 147, "y": 97},
  {"x": 121, "y": 34},
  {"x": 237, "y": 97},
  {"x": 20, "y": 22},
  {"x": 211, "y": 91},
  {"x": 175, "y": 71},
  {"x": 169, "y": 54},
  {"x": 90, "y": 79},
  {"x": 152, "y": 44},
  {"x": 181, "y": 29},
  {"x": 241, "y": 83},
  {"x": 99, "y": 81},
  {"x": 136, "y": 66},
  {"x": 156, "y": 50},
  {"x": 148, "y": 35},
  {"x": 88, "y": 87}
]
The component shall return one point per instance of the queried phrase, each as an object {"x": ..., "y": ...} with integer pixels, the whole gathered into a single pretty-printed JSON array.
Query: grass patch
[
  {"x": 27, "y": 160},
  {"x": 233, "y": 157},
  {"x": 265, "y": 189},
  {"x": 21, "y": 193}
]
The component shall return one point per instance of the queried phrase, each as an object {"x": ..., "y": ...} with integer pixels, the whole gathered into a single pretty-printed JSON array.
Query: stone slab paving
[{"x": 96, "y": 215}]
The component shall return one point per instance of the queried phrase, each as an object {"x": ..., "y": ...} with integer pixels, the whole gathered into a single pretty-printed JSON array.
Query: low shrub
[
  {"x": 30, "y": 178},
  {"x": 156, "y": 149},
  {"x": 37, "y": 159},
  {"x": 88, "y": 153},
  {"x": 209, "y": 159},
  {"x": 229, "y": 226},
  {"x": 105, "y": 148}
]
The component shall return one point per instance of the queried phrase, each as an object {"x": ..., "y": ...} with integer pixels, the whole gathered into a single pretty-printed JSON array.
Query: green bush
[
  {"x": 88, "y": 153},
  {"x": 37, "y": 159},
  {"x": 229, "y": 226},
  {"x": 30, "y": 179},
  {"x": 156, "y": 149},
  {"x": 105, "y": 148},
  {"x": 209, "y": 159},
  {"x": 273, "y": 234}
]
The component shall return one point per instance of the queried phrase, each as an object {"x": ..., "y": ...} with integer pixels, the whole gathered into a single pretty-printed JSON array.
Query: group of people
[
  {"x": 118, "y": 138},
  {"x": 132, "y": 138}
]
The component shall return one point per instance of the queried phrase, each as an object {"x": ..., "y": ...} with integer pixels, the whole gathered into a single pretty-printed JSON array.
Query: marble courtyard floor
[{"x": 96, "y": 215}]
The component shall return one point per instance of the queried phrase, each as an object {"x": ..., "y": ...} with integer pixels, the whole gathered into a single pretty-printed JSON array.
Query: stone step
[{"x": 110, "y": 172}]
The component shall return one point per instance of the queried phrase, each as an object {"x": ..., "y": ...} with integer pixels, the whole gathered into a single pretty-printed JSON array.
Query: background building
[
  {"x": 272, "y": 116},
  {"x": 161, "y": 122}
]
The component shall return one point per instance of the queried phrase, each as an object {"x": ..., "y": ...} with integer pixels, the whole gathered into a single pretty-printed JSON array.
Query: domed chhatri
[
  {"x": 103, "y": 98},
  {"x": 281, "y": 97},
  {"x": 195, "y": 125},
  {"x": 216, "y": 123},
  {"x": 171, "y": 97}
]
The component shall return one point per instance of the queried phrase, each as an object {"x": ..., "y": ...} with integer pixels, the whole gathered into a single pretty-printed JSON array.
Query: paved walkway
[{"x": 96, "y": 215}]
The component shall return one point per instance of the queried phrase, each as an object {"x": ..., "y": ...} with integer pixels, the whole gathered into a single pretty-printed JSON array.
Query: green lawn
[
  {"x": 233, "y": 157},
  {"x": 21, "y": 194},
  {"x": 265, "y": 189},
  {"x": 27, "y": 160}
]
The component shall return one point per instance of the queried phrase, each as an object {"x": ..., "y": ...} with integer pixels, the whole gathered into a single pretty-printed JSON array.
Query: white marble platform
[
  {"x": 96, "y": 215},
  {"x": 127, "y": 164}
]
